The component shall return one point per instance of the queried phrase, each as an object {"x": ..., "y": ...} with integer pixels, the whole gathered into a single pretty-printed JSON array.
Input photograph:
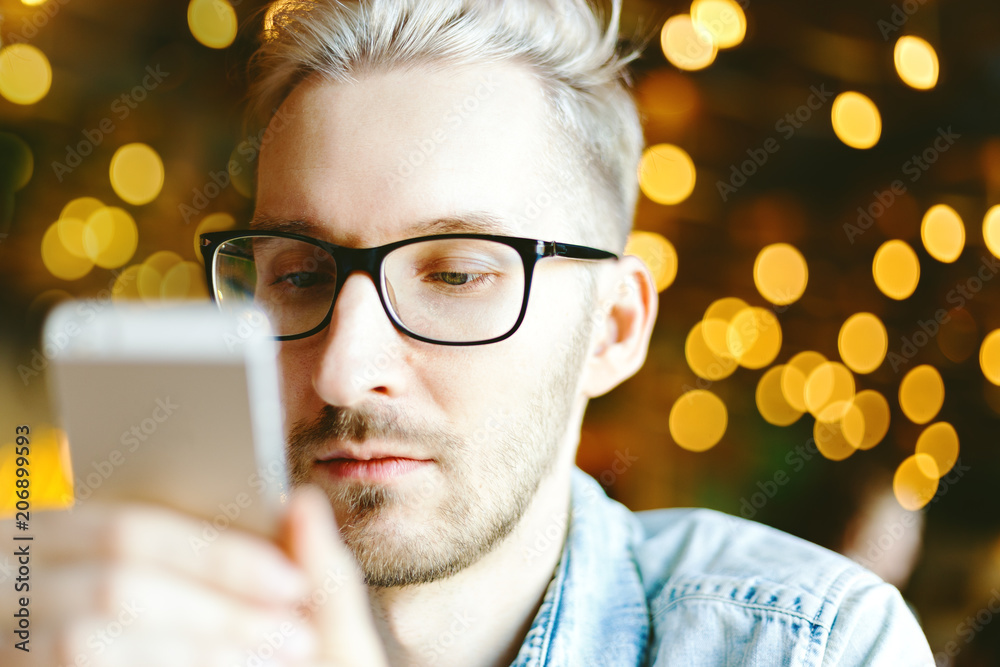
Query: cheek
[{"x": 296, "y": 361}]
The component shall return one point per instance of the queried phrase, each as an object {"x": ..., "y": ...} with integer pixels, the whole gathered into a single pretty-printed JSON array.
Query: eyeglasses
[{"x": 448, "y": 289}]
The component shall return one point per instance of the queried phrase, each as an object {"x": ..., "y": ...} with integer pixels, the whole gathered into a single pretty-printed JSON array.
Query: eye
[
  {"x": 454, "y": 277},
  {"x": 302, "y": 279}
]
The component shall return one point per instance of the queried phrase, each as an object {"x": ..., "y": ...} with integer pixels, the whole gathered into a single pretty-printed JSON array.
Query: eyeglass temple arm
[{"x": 555, "y": 249}]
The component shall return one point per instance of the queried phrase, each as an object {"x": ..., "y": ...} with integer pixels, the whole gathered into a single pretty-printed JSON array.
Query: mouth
[{"x": 370, "y": 466}]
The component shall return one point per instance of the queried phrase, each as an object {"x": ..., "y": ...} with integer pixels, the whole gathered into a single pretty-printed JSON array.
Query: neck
[{"x": 480, "y": 616}]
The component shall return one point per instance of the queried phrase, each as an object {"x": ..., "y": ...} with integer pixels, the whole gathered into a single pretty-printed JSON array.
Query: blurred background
[{"x": 817, "y": 207}]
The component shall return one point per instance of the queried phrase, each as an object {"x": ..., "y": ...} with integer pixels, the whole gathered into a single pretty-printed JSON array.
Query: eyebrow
[{"x": 473, "y": 222}]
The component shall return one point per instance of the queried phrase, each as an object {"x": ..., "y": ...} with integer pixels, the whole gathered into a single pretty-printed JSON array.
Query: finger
[
  {"x": 232, "y": 560},
  {"x": 338, "y": 606}
]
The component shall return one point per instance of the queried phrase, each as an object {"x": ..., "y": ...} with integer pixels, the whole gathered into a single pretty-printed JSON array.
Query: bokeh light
[
  {"x": 989, "y": 356},
  {"x": 830, "y": 382},
  {"x": 126, "y": 287},
  {"x": 59, "y": 261},
  {"x": 212, "y": 22},
  {"x": 715, "y": 323},
  {"x": 81, "y": 208},
  {"x": 754, "y": 337},
  {"x": 991, "y": 230},
  {"x": 943, "y": 233},
  {"x": 723, "y": 19},
  {"x": 686, "y": 44},
  {"x": 51, "y": 487},
  {"x": 698, "y": 420},
  {"x": 780, "y": 273},
  {"x": 771, "y": 401},
  {"x": 16, "y": 162},
  {"x": 152, "y": 271},
  {"x": 856, "y": 120},
  {"x": 940, "y": 442},
  {"x": 137, "y": 173},
  {"x": 666, "y": 174},
  {"x": 794, "y": 376},
  {"x": 838, "y": 430},
  {"x": 703, "y": 360},
  {"x": 875, "y": 409},
  {"x": 921, "y": 394},
  {"x": 657, "y": 253},
  {"x": 185, "y": 280},
  {"x": 896, "y": 269},
  {"x": 110, "y": 237},
  {"x": 25, "y": 74},
  {"x": 863, "y": 342},
  {"x": 915, "y": 481},
  {"x": 916, "y": 62}
]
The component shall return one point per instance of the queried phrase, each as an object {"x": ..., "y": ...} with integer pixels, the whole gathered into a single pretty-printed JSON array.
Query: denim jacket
[{"x": 697, "y": 588}]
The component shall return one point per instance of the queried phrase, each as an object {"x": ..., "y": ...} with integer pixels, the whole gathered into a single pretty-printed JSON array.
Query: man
[{"x": 434, "y": 388}]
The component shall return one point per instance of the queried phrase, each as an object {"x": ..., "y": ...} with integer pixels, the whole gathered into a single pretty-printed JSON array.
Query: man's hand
[{"x": 122, "y": 585}]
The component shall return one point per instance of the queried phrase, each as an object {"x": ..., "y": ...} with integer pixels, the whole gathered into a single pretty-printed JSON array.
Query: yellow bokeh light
[
  {"x": 856, "y": 120},
  {"x": 703, "y": 360},
  {"x": 943, "y": 233},
  {"x": 666, "y": 174},
  {"x": 921, "y": 394},
  {"x": 110, "y": 237},
  {"x": 686, "y": 44},
  {"x": 81, "y": 207},
  {"x": 698, "y": 420},
  {"x": 33, "y": 3},
  {"x": 136, "y": 173},
  {"x": 863, "y": 342},
  {"x": 70, "y": 232},
  {"x": 724, "y": 19},
  {"x": 59, "y": 260},
  {"x": 991, "y": 229},
  {"x": 212, "y": 22},
  {"x": 916, "y": 62},
  {"x": 126, "y": 287},
  {"x": 185, "y": 280},
  {"x": 896, "y": 269},
  {"x": 715, "y": 324},
  {"x": 780, "y": 273},
  {"x": 754, "y": 337},
  {"x": 51, "y": 487},
  {"x": 657, "y": 253},
  {"x": 830, "y": 382},
  {"x": 940, "y": 442},
  {"x": 838, "y": 430},
  {"x": 214, "y": 222},
  {"x": 794, "y": 375},
  {"x": 152, "y": 271},
  {"x": 771, "y": 401},
  {"x": 989, "y": 357},
  {"x": 875, "y": 409},
  {"x": 25, "y": 74},
  {"x": 912, "y": 485}
]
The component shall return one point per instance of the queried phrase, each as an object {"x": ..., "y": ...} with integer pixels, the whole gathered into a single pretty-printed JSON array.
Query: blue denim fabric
[{"x": 697, "y": 588}]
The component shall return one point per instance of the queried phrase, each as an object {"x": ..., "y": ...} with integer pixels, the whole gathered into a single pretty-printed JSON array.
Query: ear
[{"x": 620, "y": 340}]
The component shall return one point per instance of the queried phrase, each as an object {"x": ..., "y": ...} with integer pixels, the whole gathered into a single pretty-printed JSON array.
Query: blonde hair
[{"x": 571, "y": 49}]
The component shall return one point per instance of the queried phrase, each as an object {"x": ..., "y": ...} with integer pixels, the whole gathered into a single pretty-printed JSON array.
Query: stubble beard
[{"x": 488, "y": 479}]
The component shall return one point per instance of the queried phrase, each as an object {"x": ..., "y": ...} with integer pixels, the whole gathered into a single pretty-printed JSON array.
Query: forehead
[{"x": 376, "y": 160}]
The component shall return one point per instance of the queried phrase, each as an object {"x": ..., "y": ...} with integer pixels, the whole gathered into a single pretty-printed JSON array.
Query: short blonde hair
[{"x": 571, "y": 49}]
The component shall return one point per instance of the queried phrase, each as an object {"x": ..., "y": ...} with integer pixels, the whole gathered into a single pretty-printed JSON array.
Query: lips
[{"x": 380, "y": 469}]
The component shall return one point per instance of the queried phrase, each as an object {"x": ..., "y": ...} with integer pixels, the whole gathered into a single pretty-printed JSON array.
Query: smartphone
[{"x": 175, "y": 404}]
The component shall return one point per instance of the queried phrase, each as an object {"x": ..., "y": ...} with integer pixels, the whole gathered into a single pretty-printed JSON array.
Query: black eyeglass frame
[{"x": 369, "y": 260}]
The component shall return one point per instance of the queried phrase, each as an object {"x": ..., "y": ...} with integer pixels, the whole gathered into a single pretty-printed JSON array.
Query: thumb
[{"x": 337, "y": 607}]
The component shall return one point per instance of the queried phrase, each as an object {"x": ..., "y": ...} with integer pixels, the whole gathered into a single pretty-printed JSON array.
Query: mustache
[{"x": 358, "y": 424}]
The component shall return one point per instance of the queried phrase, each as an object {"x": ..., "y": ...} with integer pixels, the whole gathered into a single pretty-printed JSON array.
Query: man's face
[{"x": 473, "y": 430}]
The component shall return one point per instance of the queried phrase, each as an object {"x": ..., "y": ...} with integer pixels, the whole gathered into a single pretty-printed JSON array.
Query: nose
[{"x": 362, "y": 350}]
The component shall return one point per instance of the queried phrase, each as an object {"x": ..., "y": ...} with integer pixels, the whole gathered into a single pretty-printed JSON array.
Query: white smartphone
[{"x": 173, "y": 404}]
